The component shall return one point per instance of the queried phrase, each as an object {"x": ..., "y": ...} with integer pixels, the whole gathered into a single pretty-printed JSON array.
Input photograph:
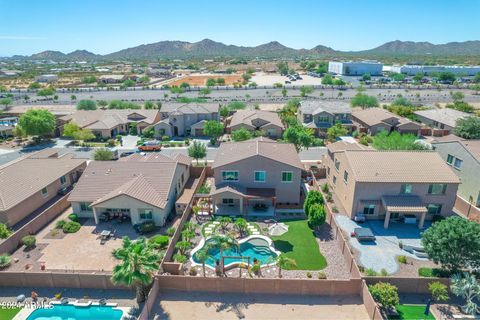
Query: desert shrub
[
  {"x": 170, "y": 231},
  {"x": 29, "y": 241},
  {"x": 325, "y": 187},
  {"x": 4, "y": 231},
  {"x": 165, "y": 138},
  {"x": 438, "y": 291},
  {"x": 309, "y": 275},
  {"x": 370, "y": 272},
  {"x": 159, "y": 241},
  {"x": 147, "y": 227},
  {"x": 111, "y": 143},
  {"x": 71, "y": 227},
  {"x": 383, "y": 272},
  {"x": 180, "y": 258},
  {"x": 402, "y": 259},
  {"x": 60, "y": 224},
  {"x": 192, "y": 271},
  {"x": 73, "y": 217},
  {"x": 5, "y": 260},
  {"x": 385, "y": 294},
  {"x": 322, "y": 275}
]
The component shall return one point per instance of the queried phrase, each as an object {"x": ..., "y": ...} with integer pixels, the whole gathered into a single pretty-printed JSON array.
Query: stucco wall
[{"x": 285, "y": 192}]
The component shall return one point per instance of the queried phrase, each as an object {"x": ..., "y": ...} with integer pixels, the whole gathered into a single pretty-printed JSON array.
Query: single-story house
[
  {"x": 373, "y": 120},
  {"x": 444, "y": 119}
]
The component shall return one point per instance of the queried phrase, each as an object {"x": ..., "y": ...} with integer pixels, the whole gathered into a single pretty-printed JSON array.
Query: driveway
[
  {"x": 382, "y": 253},
  {"x": 129, "y": 142}
]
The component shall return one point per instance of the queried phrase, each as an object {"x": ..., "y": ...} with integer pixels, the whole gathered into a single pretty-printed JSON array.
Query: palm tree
[
  {"x": 222, "y": 242},
  {"x": 241, "y": 225},
  {"x": 202, "y": 256},
  {"x": 284, "y": 262},
  {"x": 224, "y": 221},
  {"x": 138, "y": 266},
  {"x": 188, "y": 235}
]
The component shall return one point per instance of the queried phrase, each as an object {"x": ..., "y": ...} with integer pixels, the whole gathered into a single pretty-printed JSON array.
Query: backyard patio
[{"x": 390, "y": 243}]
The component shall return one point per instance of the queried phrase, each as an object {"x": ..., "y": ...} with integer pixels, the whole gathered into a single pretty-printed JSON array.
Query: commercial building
[
  {"x": 391, "y": 185},
  {"x": 412, "y": 70},
  {"x": 355, "y": 68},
  {"x": 28, "y": 183}
]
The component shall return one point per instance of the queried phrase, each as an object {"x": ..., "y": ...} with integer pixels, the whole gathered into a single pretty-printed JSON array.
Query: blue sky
[{"x": 104, "y": 26}]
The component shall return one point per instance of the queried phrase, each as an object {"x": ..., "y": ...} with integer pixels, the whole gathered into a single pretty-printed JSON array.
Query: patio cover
[
  {"x": 404, "y": 204},
  {"x": 260, "y": 193}
]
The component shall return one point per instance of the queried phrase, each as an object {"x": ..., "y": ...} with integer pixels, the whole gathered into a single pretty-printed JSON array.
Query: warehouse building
[
  {"x": 355, "y": 68},
  {"x": 412, "y": 70}
]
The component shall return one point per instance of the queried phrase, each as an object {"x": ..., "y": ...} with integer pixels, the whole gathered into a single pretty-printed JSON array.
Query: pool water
[
  {"x": 70, "y": 312},
  {"x": 254, "y": 248}
]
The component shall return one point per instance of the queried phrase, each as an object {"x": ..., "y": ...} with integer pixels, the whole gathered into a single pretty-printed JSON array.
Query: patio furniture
[
  {"x": 102, "y": 302},
  {"x": 364, "y": 234},
  {"x": 359, "y": 217},
  {"x": 21, "y": 298},
  {"x": 105, "y": 234}
]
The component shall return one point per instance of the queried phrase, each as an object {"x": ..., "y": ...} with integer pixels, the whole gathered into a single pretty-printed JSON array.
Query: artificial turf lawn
[
  {"x": 300, "y": 244},
  {"x": 412, "y": 312},
  {"x": 8, "y": 313}
]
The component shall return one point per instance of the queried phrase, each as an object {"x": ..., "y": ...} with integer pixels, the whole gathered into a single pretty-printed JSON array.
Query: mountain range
[{"x": 210, "y": 49}]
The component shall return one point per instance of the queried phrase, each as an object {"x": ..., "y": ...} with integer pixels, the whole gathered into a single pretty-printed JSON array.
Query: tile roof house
[
  {"x": 178, "y": 119},
  {"x": 254, "y": 120},
  {"x": 373, "y": 120},
  {"x": 110, "y": 122},
  {"x": 392, "y": 184},
  {"x": 444, "y": 119},
  {"x": 33, "y": 181},
  {"x": 463, "y": 156},
  {"x": 321, "y": 115},
  {"x": 253, "y": 177},
  {"x": 140, "y": 187}
]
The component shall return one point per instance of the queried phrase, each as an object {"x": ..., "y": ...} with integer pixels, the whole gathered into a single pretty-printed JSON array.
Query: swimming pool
[
  {"x": 70, "y": 312},
  {"x": 255, "y": 247}
]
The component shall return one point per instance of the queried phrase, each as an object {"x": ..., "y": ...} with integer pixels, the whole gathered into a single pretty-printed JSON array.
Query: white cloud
[{"x": 21, "y": 38}]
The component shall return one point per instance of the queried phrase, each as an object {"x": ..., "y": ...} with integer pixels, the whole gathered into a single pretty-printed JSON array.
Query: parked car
[
  {"x": 287, "y": 82},
  {"x": 150, "y": 146},
  {"x": 126, "y": 154}
]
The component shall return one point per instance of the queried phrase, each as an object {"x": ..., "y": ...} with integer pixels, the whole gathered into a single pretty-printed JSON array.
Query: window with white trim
[
  {"x": 287, "y": 176},
  {"x": 230, "y": 175},
  {"x": 259, "y": 176}
]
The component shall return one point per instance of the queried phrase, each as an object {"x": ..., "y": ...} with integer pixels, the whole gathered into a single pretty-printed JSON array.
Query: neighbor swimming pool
[
  {"x": 70, "y": 312},
  {"x": 255, "y": 247}
]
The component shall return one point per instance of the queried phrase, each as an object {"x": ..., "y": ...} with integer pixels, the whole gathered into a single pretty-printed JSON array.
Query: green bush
[
  {"x": 29, "y": 241},
  {"x": 438, "y": 291},
  {"x": 402, "y": 259},
  {"x": 165, "y": 138},
  {"x": 370, "y": 272},
  {"x": 60, "y": 224},
  {"x": 170, "y": 231},
  {"x": 385, "y": 294},
  {"x": 180, "y": 258},
  {"x": 322, "y": 275},
  {"x": 383, "y": 272},
  {"x": 147, "y": 227},
  {"x": 4, "y": 231},
  {"x": 5, "y": 260},
  {"x": 159, "y": 241},
  {"x": 433, "y": 272},
  {"x": 71, "y": 227},
  {"x": 73, "y": 217}
]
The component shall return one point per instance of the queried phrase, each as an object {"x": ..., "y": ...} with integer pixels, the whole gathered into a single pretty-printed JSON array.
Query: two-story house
[
  {"x": 321, "y": 115},
  {"x": 185, "y": 119},
  {"x": 463, "y": 156},
  {"x": 139, "y": 188},
  {"x": 444, "y": 119},
  {"x": 391, "y": 185},
  {"x": 374, "y": 120},
  {"x": 255, "y": 120},
  {"x": 253, "y": 177}
]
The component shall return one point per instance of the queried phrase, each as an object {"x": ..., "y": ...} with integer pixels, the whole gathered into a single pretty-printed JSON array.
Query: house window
[
  {"x": 405, "y": 189},
  {"x": 345, "y": 176},
  {"x": 63, "y": 180},
  {"x": 449, "y": 159},
  {"x": 458, "y": 163},
  {"x": 334, "y": 180},
  {"x": 227, "y": 201},
  {"x": 323, "y": 119},
  {"x": 260, "y": 176},
  {"x": 45, "y": 192},
  {"x": 328, "y": 171},
  {"x": 437, "y": 188},
  {"x": 146, "y": 214},
  {"x": 434, "y": 208},
  {"x": 337, "y": 164},
  {"x": 182, "y": 178},
  {"x": 230, "y": 175},
  {"x": 85, "y": 206},
  {"x": 369, "y": 209},
  {"x": 287, "y": 176}
]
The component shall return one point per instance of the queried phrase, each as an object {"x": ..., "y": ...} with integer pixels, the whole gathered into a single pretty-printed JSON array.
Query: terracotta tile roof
[
  {"x": 190, "y": 108},
  {"x": 147, "y": 178},
  {"x": 399, "y": 166},
  {"x": 446, "y": 115},
  {"x": 345, "y": 145},
  {"x": 403, "y": 204},
  {"x": 106, "y": 119},
  {"x": 374, "y": 116},
  {"x": 247, "y": 116},
  {"x": 230, "y": 152},
  {"x": 333, "y": 107},
  {"x": 22, "y": 178}
]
